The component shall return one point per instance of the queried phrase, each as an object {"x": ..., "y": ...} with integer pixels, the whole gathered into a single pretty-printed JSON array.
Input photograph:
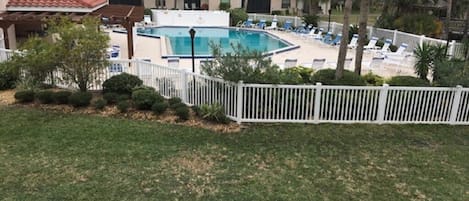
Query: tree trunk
[
  {"x": 339, "y": 71},
  {"x": 448, "y": 18},
  {"x": 364, "y": 4},
  {"x": 466, "y": 25}
]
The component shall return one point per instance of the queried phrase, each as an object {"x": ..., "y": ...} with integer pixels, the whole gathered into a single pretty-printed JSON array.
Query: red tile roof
[{"x": 56, "y": 3}]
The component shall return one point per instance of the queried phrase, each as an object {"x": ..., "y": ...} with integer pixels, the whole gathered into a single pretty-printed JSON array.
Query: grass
[{"x": 55, "y": 156}]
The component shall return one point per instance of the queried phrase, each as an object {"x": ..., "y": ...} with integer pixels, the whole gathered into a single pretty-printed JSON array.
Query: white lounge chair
[
  {"x": 318, "y": 36},
  {"x": 310, "y": 33},
  {"x": 375, "y": 62},
  {"x": 173, "y": 62},
  {"x": 400, "y": 51},
  {"x": 272, "y": 26},
  {"x": 318, "y": 63},
  {"x": 290, "y": 63},
  {"x": 353, "y": 42},
  {"x": 147, "y": 20},
  {"x": 372, "y": 44}
]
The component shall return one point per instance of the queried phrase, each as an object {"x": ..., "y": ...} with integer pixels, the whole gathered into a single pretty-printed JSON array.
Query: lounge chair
[
  {"x": 301, "y": 29},
  {"x": 372, "y": 44},
  {"x": 318, "y": 36},
  {"x": 400, "y": 51},
  {"x": 318, "y": 63},
  {"x": 311, "y": 32},
  {"x": 353, "y": 42},
  {"x": 272, "y": 26},
  {"x": 336, "y": 40},
  {"x": 290, "y": 63},
  {"x": 247, "y": 23},
  {"x": 375, "y": 62},
  {"x": 327, "y": 38},
  {"x": 173, "y": 62},
  {"x": 261, "y": 24},
  {"x": 287, "y": 26},
  {"x": 147, "y": 20},
  {"x": 387, "y": 44}
]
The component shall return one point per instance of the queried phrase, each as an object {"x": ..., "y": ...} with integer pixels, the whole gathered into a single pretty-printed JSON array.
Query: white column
[
  {"x": 455, "y": 107},
  {"x": 239, "y": 102},
  {"x": 383, "y": 96},
  {"x": 317, "y": 102}
]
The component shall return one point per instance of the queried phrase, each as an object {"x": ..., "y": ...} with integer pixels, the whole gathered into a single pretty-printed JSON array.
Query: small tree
[{"x": 82, "y": 49}]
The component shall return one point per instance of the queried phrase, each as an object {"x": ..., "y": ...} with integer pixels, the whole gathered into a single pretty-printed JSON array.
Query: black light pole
[
  {"x": 329, "y": 24},
  {"x": 192, "y": 33}
]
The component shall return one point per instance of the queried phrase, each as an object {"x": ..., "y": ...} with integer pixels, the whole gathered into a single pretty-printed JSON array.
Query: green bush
[
  {"x": 61, "y": 97},
  {"x": 123, "y": 106},
  {"x": 24, "y": 96},
  {"x": 100, "y": 104},
  {"x": 159, "y": 107},
  {"x": 327, "y": 77},
  {"x": 174, "y": 100},
  {"x": 408, "y": 81},
  {"x": 176, "y": 105},
  {"x": 311, "y": 19},
  {"x": 237, "y": 15},
  {"x": 144, "y": 99},
  {"x": 373, "y": 79},
  {"x": 214, "y": 113},
  {"x": 45, "y": 96},
  {"x": 277, "y": 12},
  {"x": 8, "y": 76},
  {"x": 224, "y": 6},
  {"x": 80, "y": 99},
  {"x": 451, "y": 73},
  {"x": 196, "y": 110},
  {"x": 421, "y": 24},
  {"x": 296, "y": 75},
  {"x": 121, "y": 84},
  {"x": 182, "y": 112},
  {"x": 147, "y": 11},
  {"x": 111, "y": 97}
]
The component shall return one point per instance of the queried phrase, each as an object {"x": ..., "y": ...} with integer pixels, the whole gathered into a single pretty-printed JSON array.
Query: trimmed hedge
[
  {"x": 144, "y": 99},
  {"x": 100, "y": 104},
  {"x": 24, "y": 96},
  {"x": 123, "y": 106},
  {"x": 45, "y": 96},
  {"x": 80, "y": 99},
  {"x": 327, "y": 77},
  {"x": 61, "y": 97},
  {"x": 121, "y": 84},
  {"x": 159, "y": 107},
  {"x": 408, "y": 81},
  {"x": 182, "y": 112}
]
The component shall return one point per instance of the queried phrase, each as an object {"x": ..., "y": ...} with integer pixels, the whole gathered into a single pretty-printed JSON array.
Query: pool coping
[{"x": 166, "y": 50}]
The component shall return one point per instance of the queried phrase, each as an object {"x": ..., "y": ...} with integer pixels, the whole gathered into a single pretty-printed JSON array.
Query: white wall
[
  {"x": 191, "y": 18},
  {"x": 3, "y": 5},
  {"x": 2, "y": 41}
]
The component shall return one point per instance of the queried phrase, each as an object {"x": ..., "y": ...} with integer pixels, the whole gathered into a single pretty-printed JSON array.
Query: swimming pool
[{"x": 178, "y": 42}]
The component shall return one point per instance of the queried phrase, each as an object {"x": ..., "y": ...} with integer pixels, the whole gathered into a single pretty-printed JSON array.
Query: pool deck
[{"x": 150, "y": 48}]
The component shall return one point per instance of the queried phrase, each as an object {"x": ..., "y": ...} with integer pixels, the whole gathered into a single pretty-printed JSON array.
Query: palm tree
[
  {"x": 339, "y": 71},
  {"x": 364, "y": 4}
]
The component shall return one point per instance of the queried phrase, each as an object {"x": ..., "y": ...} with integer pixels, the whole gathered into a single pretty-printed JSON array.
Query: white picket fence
[
  {"x": 454, "y": 49},
  {"x": 296, "y": 103}
]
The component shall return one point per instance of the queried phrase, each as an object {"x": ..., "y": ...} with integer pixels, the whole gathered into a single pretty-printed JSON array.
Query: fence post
[
  {"x": 184, "y": 86},
  {"x": 452, "y": 49},
  {"x": 455, "y": 106},
  {"x": 317, "y": 102},
  {"x": 422, "y": 38},
  {"x": 371, "y": 32},
  {"x": 296, "y": 21},
  {"x": 255, "y": 16},
  {"x": 394, "y": 38},
  {"x": 383, "y": 96},
  {"x": 239, "y": 103}
]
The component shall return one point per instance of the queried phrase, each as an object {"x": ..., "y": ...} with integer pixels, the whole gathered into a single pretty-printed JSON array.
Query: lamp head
[{"x": 192, "y": 32}]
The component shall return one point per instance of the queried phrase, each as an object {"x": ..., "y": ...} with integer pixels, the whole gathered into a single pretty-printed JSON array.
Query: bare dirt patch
[{"x": 7, "y": 97}]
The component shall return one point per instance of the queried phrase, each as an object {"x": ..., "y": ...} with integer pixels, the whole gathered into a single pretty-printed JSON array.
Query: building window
[{"x": 285, "y": 3}]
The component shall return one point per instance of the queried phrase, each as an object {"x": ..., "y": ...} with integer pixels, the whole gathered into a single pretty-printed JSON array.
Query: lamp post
[
  {"x": 192, "y": 33},
  {"x": 329, "y": 24}
]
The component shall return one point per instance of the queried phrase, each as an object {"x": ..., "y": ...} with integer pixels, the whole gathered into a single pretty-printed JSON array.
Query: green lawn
[{"x": 55, "y": 156}]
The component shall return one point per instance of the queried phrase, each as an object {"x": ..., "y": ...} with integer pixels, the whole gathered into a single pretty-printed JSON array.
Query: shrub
[
  {"x": 100, "y": 104},
  {"x": 182, "y": 112},
  {"x": 277, "y": 12},
  {"x": 144, "y": 99},
  {"x": 196, "y": 110},
  {"x": 214, "y": 112},
  {"x": 123, "y": 106},
  {"x": 111, "y": 97},
  {"x": 123, "y": 97},
  {"x": 45, "y": 96},
  {"x": 176, "y": 105},
  {"x": 24, "y": 96},
  {"x": 408, "y": 81},
  {"x": 174, "y": 100},
  {"x": 373, "y": 79},
  {"x": 61, "y": 97},
  {"x": 80, "y": 99},
  {"x": 224, "y": 6},
  {"x": 327, "y": 77},
  {"x": 311, "y": 19},
  {"x": 8, "y": 76},
  {"x": 143, "y": 87},
  {"x": 159, "y": 107},
  {"x": 237, "y": 15},
  {"x": 121, "y": 84}
]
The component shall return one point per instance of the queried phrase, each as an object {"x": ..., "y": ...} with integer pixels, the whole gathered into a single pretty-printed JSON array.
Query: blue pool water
[{"x": 180, "y": 40}]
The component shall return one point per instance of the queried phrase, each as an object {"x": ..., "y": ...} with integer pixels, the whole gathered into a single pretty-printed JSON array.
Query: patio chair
[
  {"x": 372, "y": 44},
  {"x": 173, "y": 62},
  {"x": 272, "y": 26},
  {"x": 327, "y": 38},
  {"x": 336, "y": 40},
  {"x": 290, "y": 63},
  {"x": 311, "y": 32},
  {"x": 387, "y": 44},
  {"x": 376, "y": 62},
  {"x": 318, "y": 63},
  {"x": 400, "y": 52},
  {"x": 261, "y": 24},
  {"x": 301, "y": 29},
  {"x": 353, "y": 42},
  {"x": 247, "y": 23},
  {"x": 318, "y": 36},
  {"x": 287, "y": 26},
  {"x": 147, "y": 19}
]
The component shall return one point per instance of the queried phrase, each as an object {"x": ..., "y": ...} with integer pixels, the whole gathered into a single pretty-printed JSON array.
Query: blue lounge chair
[
  {"x": 247, "y": 23},
  {"x": 326, "y": 38},
  {"x": 261, "y": 24},
  {"x": 336, "y": 40},
  {"x": 287, "y": 26}
]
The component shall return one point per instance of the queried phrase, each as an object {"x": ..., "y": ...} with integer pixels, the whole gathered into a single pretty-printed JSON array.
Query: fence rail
[
  {"x": 295, "y": 103},
  {"x": 397, "y": 37}
]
